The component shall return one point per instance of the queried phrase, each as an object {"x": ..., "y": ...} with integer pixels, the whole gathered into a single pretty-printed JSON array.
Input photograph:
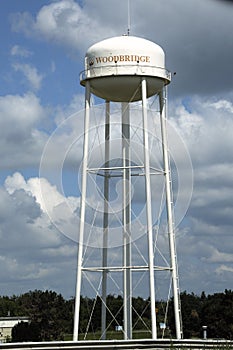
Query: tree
[
  {"x": 48, "y": 310},
  {"x": 25, "y": 331},
  {"x": 191, "y": 309},
  {"x": 52, "y": 316},
  {"x": 217, "y": 315}
]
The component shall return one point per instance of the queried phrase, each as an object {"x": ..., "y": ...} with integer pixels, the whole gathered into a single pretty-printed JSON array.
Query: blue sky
[
  {"x": 39, "y": 54},
  {"x": 42, "y": 51}
]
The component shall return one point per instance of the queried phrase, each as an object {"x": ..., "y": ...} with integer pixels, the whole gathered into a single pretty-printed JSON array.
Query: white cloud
[
  {"x": 53, "y": 66},
  {"x": 25, "y": 127},
  {"x": 34, "y": 254},
  {"x": 15, "y": 182},
  {"x": 59, "y": 209},
  {"x": 198, "y": 66},
  {"x": 31, "y": 74},
  {"x": 20, "y": 51},
  {"x": 189, "y": 124},
  {"x": 17, "y": 110},
  {"x": 205, "y": 124},
  {"x": 223, "y": 105},
  {"x": 205, "y": 218},
  {"x": 224, "y": 269},
  {"x": 220, "y": 257},
  {"x": 62, "y": 22},
  {"x": 33, "y": 187},
  {"x": 21, "y": 142},
  {"x": 206, "y": 129}
]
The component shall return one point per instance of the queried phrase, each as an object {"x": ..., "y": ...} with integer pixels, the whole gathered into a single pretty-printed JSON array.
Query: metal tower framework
[{"x": 126, "y": 169}]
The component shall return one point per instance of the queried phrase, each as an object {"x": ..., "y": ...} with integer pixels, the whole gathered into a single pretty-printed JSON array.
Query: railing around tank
[{"x": 123, "y": 69}]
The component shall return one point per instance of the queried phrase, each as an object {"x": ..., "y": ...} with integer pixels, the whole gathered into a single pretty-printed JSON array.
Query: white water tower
[{"x": 126, "y": 69}]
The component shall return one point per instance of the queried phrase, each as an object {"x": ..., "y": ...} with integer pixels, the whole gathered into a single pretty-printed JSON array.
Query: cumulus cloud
[
  {"x": 25, "y": 128},
  {"x": 21, "y": 142},
  {"x": 223, "y": 268},
  {"x": 205, "y": 125},
  {"x": 201, "y": 68},
  {"x": 62, "y": 22},
  {"x": 35, "y": 252},
  {"x": 15, "y": 182},
  {"x": 32, "y": 187},
  {"x": 223, "y": 105},
  {"x": 46, "y": 208},
  {"x": 61, "y": 210},
  {"x": 198, "y": 47},
  {"x": 48, "y": 213},
  {"x": 218, "y": 256},
  {"x": 53, "y": 67},
  {"x": 20, "y": 51},
  {"x": 31, "y": 74},
  {"x": 20, "y": 110}
]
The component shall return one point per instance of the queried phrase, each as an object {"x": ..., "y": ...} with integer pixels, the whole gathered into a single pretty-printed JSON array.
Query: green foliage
[
  {"x": 52, "y": 316},
  {"x": 214, "y": 311},
  {"x": 25, "y": 331},
  {"x": 218, "y": 314},
  {"x": 48, "y": 311}
]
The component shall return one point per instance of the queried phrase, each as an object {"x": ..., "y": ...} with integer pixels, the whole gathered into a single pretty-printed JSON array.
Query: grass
[{"x": 111, "y": 335}]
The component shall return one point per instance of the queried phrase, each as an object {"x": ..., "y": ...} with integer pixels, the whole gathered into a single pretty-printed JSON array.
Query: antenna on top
[{"x": 128, "y": 30}]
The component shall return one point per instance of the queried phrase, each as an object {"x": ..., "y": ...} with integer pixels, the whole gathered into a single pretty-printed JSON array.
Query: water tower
[{"x": 127, "y": 69}]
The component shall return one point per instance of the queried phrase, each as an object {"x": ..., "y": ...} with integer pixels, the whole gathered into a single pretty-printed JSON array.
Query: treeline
[
  {"x": 52, "y": 316},
  {"x": 214, "y": 311},
  {"x": 49, "y": 313}
]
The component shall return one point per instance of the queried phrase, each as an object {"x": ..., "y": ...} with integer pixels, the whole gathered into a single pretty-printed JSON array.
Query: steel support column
[
  {"x": 105, "y": 221},
  {"x": 126, "y": 218},
  {"x": 149, "y": 209},
  {"x": 82, "y": 210},
  {"x": 170, "y": 217}
]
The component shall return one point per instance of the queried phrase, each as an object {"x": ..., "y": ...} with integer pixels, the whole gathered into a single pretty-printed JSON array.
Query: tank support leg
[
  {"x": 126, "y": 218},
  {"x": 82, "y": 211},
  {"x": 149, "y": 208},
  {"x": 105, "y": 223}
]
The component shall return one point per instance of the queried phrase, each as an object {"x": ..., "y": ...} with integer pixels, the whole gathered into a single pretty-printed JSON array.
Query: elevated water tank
[{"x": 115, "y": 66}]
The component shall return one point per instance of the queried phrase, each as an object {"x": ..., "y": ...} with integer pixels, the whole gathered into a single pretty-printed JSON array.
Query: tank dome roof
[{"x": 115, "y": 67}]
